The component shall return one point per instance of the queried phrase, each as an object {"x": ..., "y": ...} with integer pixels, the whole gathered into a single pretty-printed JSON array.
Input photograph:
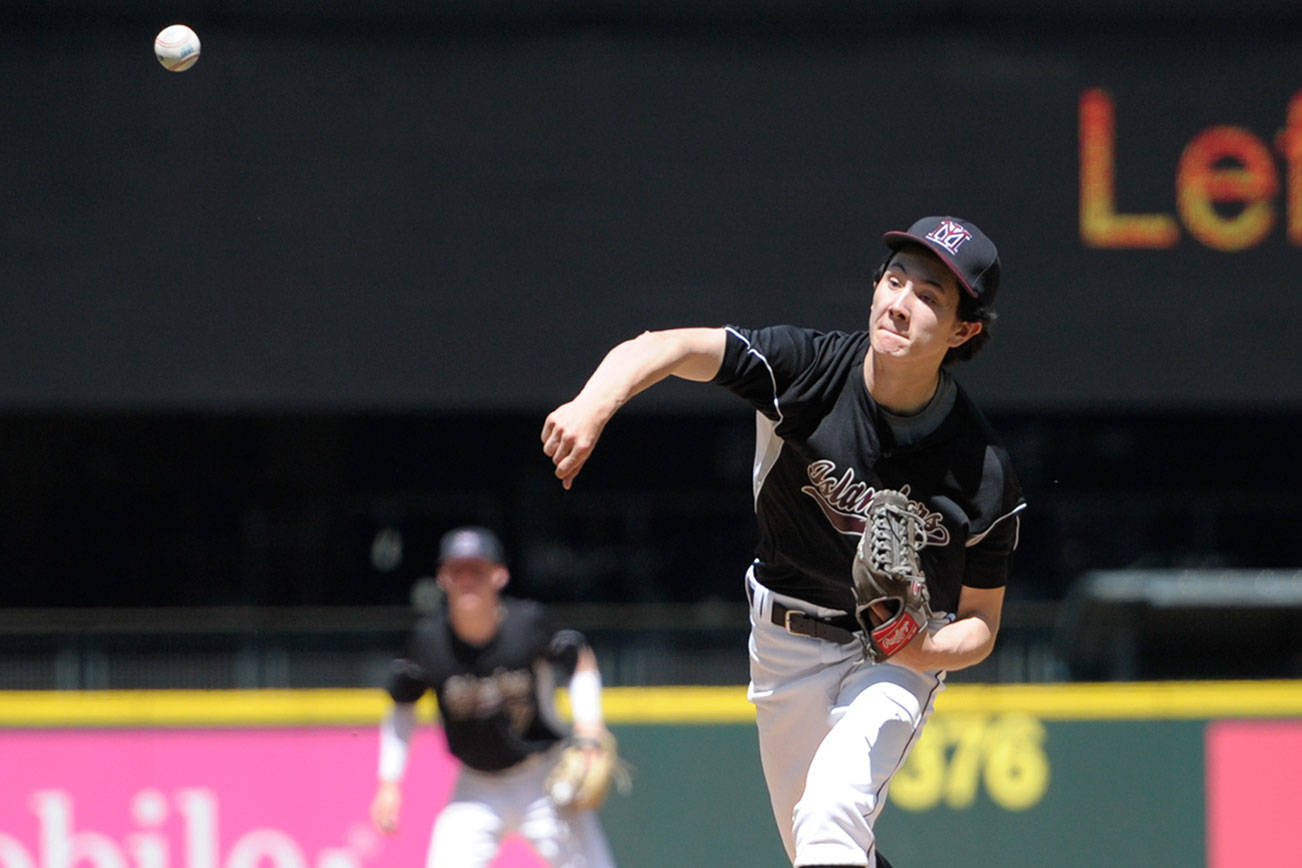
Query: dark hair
[{"x": 969, "y": 310}]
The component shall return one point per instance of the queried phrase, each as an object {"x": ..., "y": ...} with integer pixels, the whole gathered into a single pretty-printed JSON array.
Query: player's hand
[
  {"x": 879, "y": 613},
  {"x": 570, "y": 434},
  {"x": 589, "y": 731},
  {"x": 385, "y": 807}
]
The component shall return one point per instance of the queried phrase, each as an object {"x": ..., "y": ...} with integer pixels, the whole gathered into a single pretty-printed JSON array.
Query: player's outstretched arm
[
  {"x": 585, "y": 696},
  {"x": 395, "y": 736},
  {"x": 962, "y": 643},
  {"x": 571, "y": 431}
]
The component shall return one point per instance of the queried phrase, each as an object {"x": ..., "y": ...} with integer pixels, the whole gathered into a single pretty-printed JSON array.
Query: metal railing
[{"x": 250, "y": 647}]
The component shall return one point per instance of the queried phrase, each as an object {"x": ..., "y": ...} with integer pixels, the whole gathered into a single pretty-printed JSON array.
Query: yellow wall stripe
[
  {"x": 1131, "y": 701},
  {"x": 639, "y": 705}
]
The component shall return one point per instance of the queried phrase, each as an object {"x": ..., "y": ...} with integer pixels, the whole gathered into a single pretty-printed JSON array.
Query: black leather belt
[{"x": 840, "y": 629}]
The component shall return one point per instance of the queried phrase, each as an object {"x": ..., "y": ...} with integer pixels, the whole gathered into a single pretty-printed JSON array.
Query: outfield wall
[
  {"x": 1181, "y": 774},
  {"x": 321, "y": 216}
]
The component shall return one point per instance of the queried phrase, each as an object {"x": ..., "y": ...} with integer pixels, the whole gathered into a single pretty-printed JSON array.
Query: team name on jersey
[
  {"x": 844, "y": 502},
  {"x": 469, "y": 696}
]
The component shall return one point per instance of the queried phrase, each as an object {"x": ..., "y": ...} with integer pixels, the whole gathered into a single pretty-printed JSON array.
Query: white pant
[
  {"x": 833, "y": 729},
  {"x": 485, "y": 807}
]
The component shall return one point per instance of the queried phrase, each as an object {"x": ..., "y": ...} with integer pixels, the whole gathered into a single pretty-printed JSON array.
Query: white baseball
[{"x": 176, "y": 47}]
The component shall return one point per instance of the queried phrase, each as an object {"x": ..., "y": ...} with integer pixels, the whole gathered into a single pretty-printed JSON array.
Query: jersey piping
[
  {"x": 1017, "y": 526},
  {"x": 768, "y": 445},
  {"x": 773, "y": 380}
]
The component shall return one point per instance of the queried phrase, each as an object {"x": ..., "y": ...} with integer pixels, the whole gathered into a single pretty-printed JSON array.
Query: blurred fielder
[
  {"x": 489, "y": 660},
  {"x": 888, "y": 515}
]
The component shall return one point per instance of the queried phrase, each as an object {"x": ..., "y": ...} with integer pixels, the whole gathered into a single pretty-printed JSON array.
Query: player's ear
[
  {"x": 500, "y": 577},
  {"x": 964, "y": 332}
]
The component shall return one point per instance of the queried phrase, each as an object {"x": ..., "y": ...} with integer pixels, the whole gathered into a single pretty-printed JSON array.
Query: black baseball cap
[
  {"x": 471, "y": 543},
  {"x": 961, "y": 246}
]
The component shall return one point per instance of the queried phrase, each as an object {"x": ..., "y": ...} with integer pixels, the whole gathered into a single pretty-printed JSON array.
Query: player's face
[
  {"x": 915, "y": 308},
  {"x": 471, "y": 581}
]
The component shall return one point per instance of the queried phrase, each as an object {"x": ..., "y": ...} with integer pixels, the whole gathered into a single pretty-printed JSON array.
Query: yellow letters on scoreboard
[{"x": 1226, "y": 185}]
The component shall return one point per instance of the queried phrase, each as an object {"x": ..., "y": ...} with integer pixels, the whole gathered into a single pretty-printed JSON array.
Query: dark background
[{"x": 273, "y": 324}]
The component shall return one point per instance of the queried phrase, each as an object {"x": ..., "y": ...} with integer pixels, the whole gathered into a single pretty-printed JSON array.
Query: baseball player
[
  {"x": 841, "y": 418},
  {"x": 489, "y": 660}
]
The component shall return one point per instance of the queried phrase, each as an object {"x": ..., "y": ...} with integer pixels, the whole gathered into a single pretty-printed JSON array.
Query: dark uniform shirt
[
  {"x": 823, "y": 447},
  {"x": 494, "y": 700}
]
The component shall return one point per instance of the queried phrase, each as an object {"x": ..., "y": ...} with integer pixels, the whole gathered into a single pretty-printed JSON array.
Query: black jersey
[
  {"x": 823, "y": 447},
  {"x": 494, "y": 700}
]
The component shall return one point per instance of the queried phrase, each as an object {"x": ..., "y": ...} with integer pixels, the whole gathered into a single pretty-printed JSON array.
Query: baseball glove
[
  {"x": 582, "y": 777},
  {"x": 890, "y": 591}
]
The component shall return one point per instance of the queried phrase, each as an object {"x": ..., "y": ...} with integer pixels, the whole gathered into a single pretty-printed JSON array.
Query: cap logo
[{"x": 950, "y": 235}]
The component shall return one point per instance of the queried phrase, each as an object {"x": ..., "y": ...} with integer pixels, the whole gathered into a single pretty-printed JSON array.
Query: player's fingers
[
  {"x": 568, "y": 467},
  {"x": 560, "y": 447},
  {"x": 555, "y": 442},
  {"x": 565, "y": 445},
  {"x": 548, "y": 427}
]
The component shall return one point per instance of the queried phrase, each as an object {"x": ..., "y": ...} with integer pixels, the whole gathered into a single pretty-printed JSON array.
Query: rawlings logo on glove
[
  {"x": 582, "y": 777},
  {"x": 890, "y": 591}
]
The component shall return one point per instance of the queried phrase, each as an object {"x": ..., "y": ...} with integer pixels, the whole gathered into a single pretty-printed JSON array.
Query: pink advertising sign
[
  {"x": 1254, "y": 797},
  {"x": 261, "y": 798}
]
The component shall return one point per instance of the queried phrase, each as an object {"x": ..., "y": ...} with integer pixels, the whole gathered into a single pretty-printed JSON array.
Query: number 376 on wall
[{"x": 958, "y": 753}]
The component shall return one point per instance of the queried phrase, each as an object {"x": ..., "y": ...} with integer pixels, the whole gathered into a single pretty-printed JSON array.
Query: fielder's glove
[
  {"x": 890, "y": 591},
  {"x": 582, "y": 777}
]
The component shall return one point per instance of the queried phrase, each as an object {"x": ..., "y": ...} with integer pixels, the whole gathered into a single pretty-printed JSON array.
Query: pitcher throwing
[{"x": 857, "y": 433}]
